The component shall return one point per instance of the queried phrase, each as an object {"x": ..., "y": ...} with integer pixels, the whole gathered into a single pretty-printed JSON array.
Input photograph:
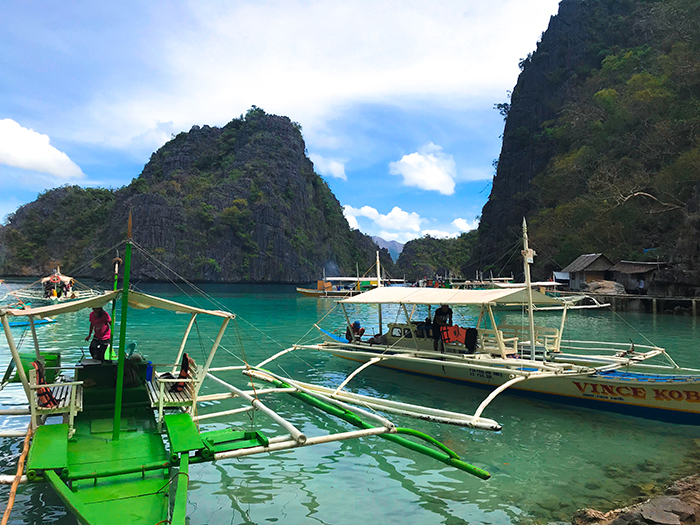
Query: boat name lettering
[
  {"x": 676, "y": 395},
  {"x": 611, "y": 390},
  {"x": 660, "y": 394}
]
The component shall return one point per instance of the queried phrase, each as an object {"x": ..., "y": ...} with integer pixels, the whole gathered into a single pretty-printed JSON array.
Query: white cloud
[
  {"x": 311, "y": 60},
  {"x": 428, "y": 169},
  {"x": 397, "y": 219},
  {"x": 328, "y": 167},
  {"x": 26, "y": 149},
  {"x": 439, "y": 234},
  {"x": 463, "y": 225}
]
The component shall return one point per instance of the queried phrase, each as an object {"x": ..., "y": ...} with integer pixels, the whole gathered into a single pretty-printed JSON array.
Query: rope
[{"x": 18, "y": 476}]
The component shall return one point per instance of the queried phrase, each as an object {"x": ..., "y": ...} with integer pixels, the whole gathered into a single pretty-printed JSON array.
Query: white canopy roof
[
  {"x": 544, "y": 284},
  {"x": 57, "y": 277},
  {"x": 437, "y": 296},
  {"x": 136, "y": 300},
  {"x": 143, "y": 301},
  {"x": 65, "y": 307}
]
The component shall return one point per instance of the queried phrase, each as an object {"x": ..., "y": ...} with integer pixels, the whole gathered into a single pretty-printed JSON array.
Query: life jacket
[
  {"x": 45, "y": 397},
  {"x": 184, "y": 374},
  {"x": 453, "y": 334}
]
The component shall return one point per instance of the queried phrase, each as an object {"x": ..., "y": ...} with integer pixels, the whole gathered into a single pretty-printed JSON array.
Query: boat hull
[
  {"x": 309, "y": 292},
  {"x": 653, "y": 397}
]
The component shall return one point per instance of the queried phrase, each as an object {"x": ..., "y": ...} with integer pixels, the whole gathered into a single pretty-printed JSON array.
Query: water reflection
[{"x": 549, "y": 460}]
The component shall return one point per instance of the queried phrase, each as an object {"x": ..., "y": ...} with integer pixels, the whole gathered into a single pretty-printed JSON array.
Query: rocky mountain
[
  {"x": 239, "y": 203},
  {"x": 427, "y": 257},
  {"x": 601, "y": 147},
  {"x": 394, "y": 247}
]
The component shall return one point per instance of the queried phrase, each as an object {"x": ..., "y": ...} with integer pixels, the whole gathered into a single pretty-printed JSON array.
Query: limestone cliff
[
  {"x": 239, "y": 203},
  {"x": 600, "y": 148}
]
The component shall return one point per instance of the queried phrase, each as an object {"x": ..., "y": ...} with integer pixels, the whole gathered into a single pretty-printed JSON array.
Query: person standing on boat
[
  {"x": 443, "y": 317},
  {"x": 100, "y": 324}
]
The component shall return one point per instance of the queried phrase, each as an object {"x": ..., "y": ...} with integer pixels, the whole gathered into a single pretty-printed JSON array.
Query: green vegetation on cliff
[
  {"x": 601, "y": 150},
  {"x": 427, "y": 256}
]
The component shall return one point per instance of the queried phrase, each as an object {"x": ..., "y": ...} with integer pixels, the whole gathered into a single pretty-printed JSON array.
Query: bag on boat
[
  {"x": 44, "y": 395},
  {"x": 184, "y": 373}
]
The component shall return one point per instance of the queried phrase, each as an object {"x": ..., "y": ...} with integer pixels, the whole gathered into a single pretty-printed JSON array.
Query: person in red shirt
[{"x": 101, "y": 325}]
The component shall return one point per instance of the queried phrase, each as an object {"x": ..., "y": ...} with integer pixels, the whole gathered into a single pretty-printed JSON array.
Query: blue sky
[{"x": 395, "y": 98}]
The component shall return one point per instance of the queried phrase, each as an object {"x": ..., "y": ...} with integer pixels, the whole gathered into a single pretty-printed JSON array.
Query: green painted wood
[
  {"x": 180, "y": 503},
  {"x": 122, "y": 487},
  {"x": 90, "y": 453},
  {"x": 70, "y": 500},
  {"x": 122, "y": 338},
  {"x": 182, "y": 433},
  {"x": 49, "y": 448},
  {"x": 228, "y": 439},
  {"x": 148, "y": 509},
  {"x": 98, "y": 426}
]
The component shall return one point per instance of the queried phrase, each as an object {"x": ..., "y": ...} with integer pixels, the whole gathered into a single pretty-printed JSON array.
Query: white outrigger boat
[
  {"x": 641, "y": 380},
  {"x": 54, "y": 288}
]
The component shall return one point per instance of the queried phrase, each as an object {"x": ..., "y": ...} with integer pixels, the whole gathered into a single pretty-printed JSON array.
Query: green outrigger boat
[{"x": 118, "y": 444}]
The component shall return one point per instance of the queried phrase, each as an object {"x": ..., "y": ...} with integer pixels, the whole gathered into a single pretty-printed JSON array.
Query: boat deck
[{"x": 102, "y": 480}]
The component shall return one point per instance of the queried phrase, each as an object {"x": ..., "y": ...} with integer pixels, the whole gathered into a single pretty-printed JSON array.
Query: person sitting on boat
[
  {"x": 101, "y": 325},
  {"x": 357, "y": 332},
  {"x": 443, "y": 317},
  {"x": 423, "y": 329}
]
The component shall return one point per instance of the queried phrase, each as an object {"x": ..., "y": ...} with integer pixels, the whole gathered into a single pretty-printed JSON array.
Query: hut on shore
[
  {"x": 636, "y": 276},
  {"x": 587, "y": 268}
]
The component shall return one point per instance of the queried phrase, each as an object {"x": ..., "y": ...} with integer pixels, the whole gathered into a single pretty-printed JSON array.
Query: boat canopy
[
  {"x": 136, "y": 300},
  {"x": 143, "y": 301},
  {"x": 63, "y": 308},
  {"x": 57, "y": 277},
  {"x": 437, "y": 296}
]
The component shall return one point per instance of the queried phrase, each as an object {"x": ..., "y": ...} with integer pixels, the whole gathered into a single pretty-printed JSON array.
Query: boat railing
[
  {"x": 626, "y": 349},
  {"x": 67, "y": 400},
  {"x": 167, "y": 391}
]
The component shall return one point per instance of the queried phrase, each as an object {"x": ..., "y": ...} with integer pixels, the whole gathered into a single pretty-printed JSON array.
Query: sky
[{"x": 395, "y": 98}]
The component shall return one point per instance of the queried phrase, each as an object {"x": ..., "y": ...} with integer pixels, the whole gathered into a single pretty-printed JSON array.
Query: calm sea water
[{"x": 548, "y": 460}]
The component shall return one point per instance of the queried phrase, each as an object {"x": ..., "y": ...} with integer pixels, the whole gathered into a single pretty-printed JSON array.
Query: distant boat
[
  {"x": 348, "y": 286},
  {"x": 52, "y": 289}
]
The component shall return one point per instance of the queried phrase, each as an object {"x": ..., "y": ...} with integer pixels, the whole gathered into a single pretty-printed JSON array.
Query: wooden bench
[
  {"x": 68, "y": 395},
  {"x": 488, "y": 342},
  {"x": 544, "y": 336},
  {"x": 163, "y": 397}
]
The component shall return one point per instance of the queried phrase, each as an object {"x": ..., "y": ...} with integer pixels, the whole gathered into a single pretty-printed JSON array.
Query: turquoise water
[{"x": 548, "y": 460}]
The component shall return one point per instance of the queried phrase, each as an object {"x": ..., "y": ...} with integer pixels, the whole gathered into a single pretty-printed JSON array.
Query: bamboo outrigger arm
[
  {"x": 349, "y": 414},
  {"x": 395, "y": 407}
]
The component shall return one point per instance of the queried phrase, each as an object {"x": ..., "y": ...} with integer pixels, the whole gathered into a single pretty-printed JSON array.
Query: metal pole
[
  {"x": 34, "y": 337},
  {"x": 528, "y": 258},
  {"x": 182, "y": 345},
  {"x": 15, "y": 353},
  {"x": 122, "y": 336},
  {"x": 211, "y": 355}
]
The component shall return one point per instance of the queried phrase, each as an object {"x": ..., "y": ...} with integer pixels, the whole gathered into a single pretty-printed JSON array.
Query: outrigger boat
[
  {"x": 339, "y": 287},
  {"x": 54, "y": 288},
  {"x": 129, "y": 431},
  {"x": 641, "y": 380}
]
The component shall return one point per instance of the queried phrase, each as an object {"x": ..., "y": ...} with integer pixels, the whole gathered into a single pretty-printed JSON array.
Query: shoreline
[{"x": 678, "y": 505}]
